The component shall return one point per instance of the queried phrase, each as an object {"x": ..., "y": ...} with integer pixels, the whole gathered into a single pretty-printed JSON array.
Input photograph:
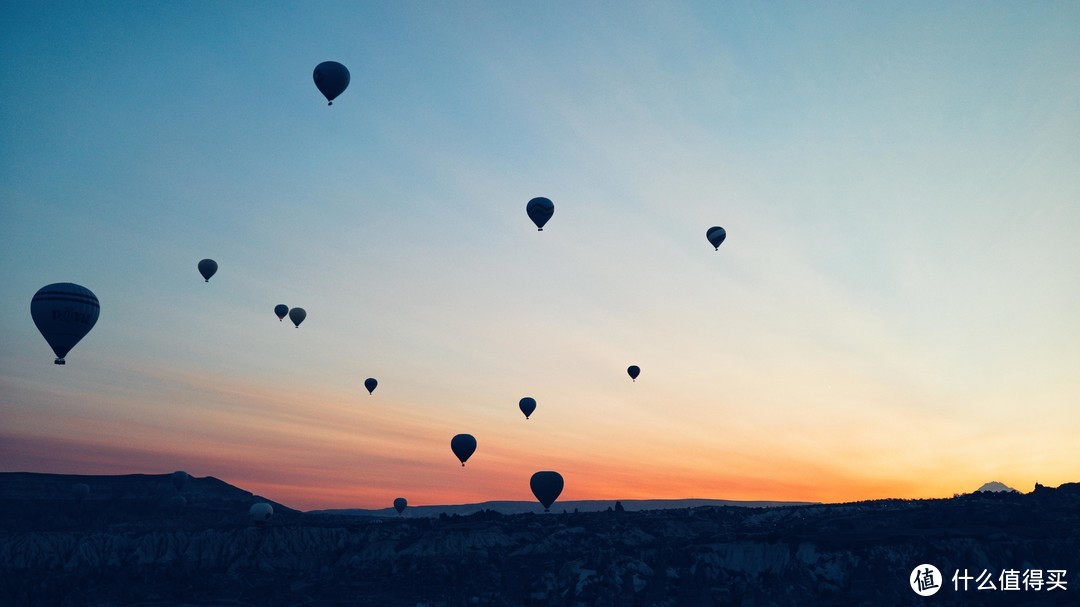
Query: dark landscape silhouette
[{"x": 128, "y": 541}]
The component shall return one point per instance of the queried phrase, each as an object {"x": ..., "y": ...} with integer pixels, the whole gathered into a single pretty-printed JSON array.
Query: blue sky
[{"x": 895, "y": 307}]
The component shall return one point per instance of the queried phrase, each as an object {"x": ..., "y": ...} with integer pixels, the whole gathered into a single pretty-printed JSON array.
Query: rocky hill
[
  {"x": 833, "y": 554},
  {"x": 994, "y": 486},
  {"x": 32, "y": 501}
]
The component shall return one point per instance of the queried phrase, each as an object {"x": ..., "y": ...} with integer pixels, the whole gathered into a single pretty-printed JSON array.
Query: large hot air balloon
[
  {"x": 261, "y": 513},
  {"x": 463, "y": 446},
  {"x": 546, "y": 486},
  {"x": 332, "y": 78},
  {"x": 716, "y": 235},
  {"x": 527, "y": 406},
  {"x": 64, "y": 313},
  {"x": 80, "y": 490},
  {"x": 633, "y": 371},
  {"x": 371, "y": 383},
  {"x": 179, "y": 479},
  {"x": 297, "y": 316},
  {"x": 207, "y": 267},
  {"x": 399, "y": 504},
  {"x": 540, "y": 211},
  {"x": 282, "y": 311}
]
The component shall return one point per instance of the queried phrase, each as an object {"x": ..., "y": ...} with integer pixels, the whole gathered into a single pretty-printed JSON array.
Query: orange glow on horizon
[{"x": 331, "y": 449}]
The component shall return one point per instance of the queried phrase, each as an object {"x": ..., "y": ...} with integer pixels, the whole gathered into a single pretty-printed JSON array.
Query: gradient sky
[{"x": 894, "y": 313}]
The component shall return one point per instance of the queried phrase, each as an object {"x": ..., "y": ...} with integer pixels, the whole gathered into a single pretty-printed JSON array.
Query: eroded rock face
[{"x": 849, "y": 554}]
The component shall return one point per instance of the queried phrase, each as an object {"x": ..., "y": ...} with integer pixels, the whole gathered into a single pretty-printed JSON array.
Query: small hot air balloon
[
  {"x": 399, "y": 504},
  {"x": 463, "y": 446},
  {"x": 546, "y": 486},
  {"x": 64, "y": 313},
  {"x": 633, "y": 371},
  {"x": 80, "y": 490},
  {"x": 297, "y": 316},
  {"x": 332, "y": 79},
  {"x": 371, "y": 383},
  {"x": 179, "y": 479},
  {"x": 282, "y": 311},
  {"x": 207, "y": 267},
  {"x": 540, "y": 211},
  {"x": 527, "y": 406},
  {"x": 261, "y": 513},
  {"x": 716, "y": 235}
]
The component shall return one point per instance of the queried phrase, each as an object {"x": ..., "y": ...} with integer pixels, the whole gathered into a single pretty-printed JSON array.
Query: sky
[{"x": 893, "y": 313}]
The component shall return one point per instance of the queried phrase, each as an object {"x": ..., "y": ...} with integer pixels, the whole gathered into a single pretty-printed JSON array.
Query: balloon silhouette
[
  {"x": 64, "y": 313},
  {"x": 370, "y": 383},
  {"x": 527, "y": 406},
  {"x": 297, "y": 316},
  {"x": 80, "y": 490},
  {"x": 261, "y": 513},
  {"x": 633, "y": 371},
  {"x": 463, "y": 446},
  {"x": 546, "y": 486},
  {"x": 179, "y": 479},
  {"x": 207, "y": 267},
  {"x": 332, "y": 79},
  {"x": 399, "y": 504},
  {"x": 716, "y": 235},
  {"x": 540, "y": 211},
  {"x": 282, "y": 311}
]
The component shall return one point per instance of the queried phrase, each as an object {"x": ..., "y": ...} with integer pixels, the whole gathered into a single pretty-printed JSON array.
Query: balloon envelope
[
  {"x": 297, "y": 316},
  {"x": 261, "y": 512},
  {"x": 207, "y": 267},
  {"x": 332, "y": 79},
  {"x": 527, "y": 406},
  {"x": 463, "y": 446},
  {"x": 399, "y": 504},
  {"x": 633, "y": 371},
  {"x": 371, "y": 383},
  {"x": 80, "y": 490},
  {"x": 64, "y": 313},
  {"x": 716, "y": 235},
  {"x": 281, "y": 310},
  {"x": 179, "y": 479},
  {"x": 540, "y": 211},
  {"x": 546, "y": 486}
]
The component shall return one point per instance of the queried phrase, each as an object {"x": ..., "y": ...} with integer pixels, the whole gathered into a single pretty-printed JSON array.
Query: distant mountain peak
[{"x": 995, "y": 487}]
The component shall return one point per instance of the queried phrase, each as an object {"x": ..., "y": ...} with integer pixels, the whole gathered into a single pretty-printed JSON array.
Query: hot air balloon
[
  {"x": 370, "y": 383},
  {"x": 179, "y": 479},
  {"x": 527, "y": 406},
  {"x": 80, "y": 490},
  {"x": 332, "y": 78},
  {"x": 282, "y": 311},
  {"x": 64, "y": 313},
  {"x": 633, "y": 371},
  {"x": 540, "y": 211},
  {"x": 399, "y": 504},
  {"x": 716, "y": 235},
  {"x": 463, "y": 446},
  {"x": 297, "y": 316},
  {"x": 546, "y": 486},
  {"x": 261, "y": 513},
  {"x": 207, "y": 267}
]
